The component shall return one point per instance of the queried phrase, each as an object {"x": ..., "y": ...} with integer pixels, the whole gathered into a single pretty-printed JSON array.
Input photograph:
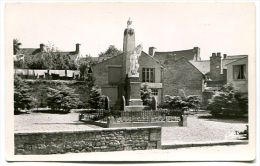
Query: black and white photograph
[{"x": 130, "y": 81}]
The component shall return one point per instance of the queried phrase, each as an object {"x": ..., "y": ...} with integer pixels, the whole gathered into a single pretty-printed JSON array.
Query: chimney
[
  {"x": 215, "y": 66},
  {"x": 197, "y": 53},
  {"x": 77, "y": 48},
  {"x": 42, "y": 47},
  {"x": 225, "y": 56},
  {"x": 219, "y": 54},
  {"x": 152, "y": 51}
]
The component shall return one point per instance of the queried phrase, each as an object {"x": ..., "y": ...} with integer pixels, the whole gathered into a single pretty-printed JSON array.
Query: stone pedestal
[{"x": 133, "y": 94}]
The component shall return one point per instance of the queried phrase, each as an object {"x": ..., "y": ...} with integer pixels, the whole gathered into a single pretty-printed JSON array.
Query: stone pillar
[
  {"x": 123, "y": 104},
  {"x": 107, "y": 103},
  {"x": 133, "y": 94},
  {"x": 154, "y": 103},
  {"x": 128, "y": 47}
]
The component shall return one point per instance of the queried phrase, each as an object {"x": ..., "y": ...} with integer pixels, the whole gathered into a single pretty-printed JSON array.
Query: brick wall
[
  {"x": 97, "y": 140},
  {"x": 181, "y": 77}
]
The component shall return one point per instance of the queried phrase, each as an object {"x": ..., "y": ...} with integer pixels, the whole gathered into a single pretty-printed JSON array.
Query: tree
[
  {"x": 84, "y": 65},
  {"x": 110, "y": 52},
  {"x": 16, "y": 46},
  {"x": 228, "y": 102},
  {"x": 62, "y": 98},
  {"x": 22, "y": 97},
  {"x": 146, "y": 95},
  {"x": 96, "y": 99}
]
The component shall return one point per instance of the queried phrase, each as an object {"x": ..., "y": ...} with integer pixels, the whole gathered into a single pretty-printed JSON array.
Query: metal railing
[{"x": 133, "y": 116}]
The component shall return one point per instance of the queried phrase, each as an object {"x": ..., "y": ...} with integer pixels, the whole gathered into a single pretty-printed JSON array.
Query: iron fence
[{"x": 133, "y": 116}]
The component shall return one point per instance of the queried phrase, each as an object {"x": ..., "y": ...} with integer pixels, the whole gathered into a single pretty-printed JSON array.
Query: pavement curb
[{"x": 187, "y": 145}]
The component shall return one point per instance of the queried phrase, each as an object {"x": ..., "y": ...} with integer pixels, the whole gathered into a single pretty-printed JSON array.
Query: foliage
[
  {"x": 84, "y": 66},
  {"x": 146, "y": 95},
  {"x": 96, "y": 100},
  {"x": 22, "y": 98},
  {"x": 229, "y": 102},
  {"x": 62, "y": 98},
  {"x": 16, "y": 45},
  {"x": 110, "y": 52},
  {"x": 183, "y": 103},
  {"x": 51, "y": 58}
]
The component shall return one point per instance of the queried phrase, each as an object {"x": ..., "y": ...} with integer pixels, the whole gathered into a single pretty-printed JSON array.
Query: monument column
[
  {"x": 130, "y": 67},
  {"x": 128, "y": 47}
]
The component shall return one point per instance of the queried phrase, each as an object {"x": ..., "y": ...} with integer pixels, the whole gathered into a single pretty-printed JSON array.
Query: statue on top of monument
[
  {"x": 129, "y": 22},
  {"x": 134, "y": 65}
]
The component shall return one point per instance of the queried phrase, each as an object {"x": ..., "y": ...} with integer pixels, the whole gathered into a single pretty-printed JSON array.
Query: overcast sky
[{"x": 213, "y": 27}]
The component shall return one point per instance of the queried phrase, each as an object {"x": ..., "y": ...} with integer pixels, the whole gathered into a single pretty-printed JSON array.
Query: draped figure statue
[{"x": 134, "y": 57}]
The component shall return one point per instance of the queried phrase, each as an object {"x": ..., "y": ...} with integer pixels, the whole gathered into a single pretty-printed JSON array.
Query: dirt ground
[{"x": 200, "y": 128}]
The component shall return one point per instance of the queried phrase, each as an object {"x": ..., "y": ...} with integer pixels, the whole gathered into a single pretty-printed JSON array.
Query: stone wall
[
  {"x": 181, "y": 77},
  {"x": 100, "y": 70},
  {"x": 98, "y": 140}
]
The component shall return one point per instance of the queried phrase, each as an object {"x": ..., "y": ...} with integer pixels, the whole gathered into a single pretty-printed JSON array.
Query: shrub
[
  {"x": 228, "y": 102},
  {"x": 62, "y": 98},
  {"x": 96, "y": 99},
  {"x": 22, "y": 98},
  {"x": 146, "y": 95},
  {"x": 183, "y": 103}
]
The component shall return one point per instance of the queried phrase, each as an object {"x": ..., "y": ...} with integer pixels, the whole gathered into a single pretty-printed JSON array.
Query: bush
[
  {"x": 228, "y": 102},
  {"x": 96, "y": 100},
  {"x": 146, "y": 95},
  {"x": 22, "y": 98},
  {"x": 183, "y": 103},
  {"x": 62, "y": 98}
]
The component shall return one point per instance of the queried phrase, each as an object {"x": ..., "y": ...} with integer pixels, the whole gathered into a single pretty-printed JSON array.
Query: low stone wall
[
  {"x": 98, "y": 140},
  {"x": 112, "y": 124}
]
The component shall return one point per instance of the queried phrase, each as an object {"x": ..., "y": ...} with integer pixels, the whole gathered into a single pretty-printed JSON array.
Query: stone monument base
[
  {"x": 137, "y": 108},
  {"x": 135, "y": 102}
]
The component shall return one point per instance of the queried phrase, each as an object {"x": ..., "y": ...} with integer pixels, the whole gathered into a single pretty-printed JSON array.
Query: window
[
  {"x": 239, "y": 71},
  {"x": 154, "y": 92},
  {"x": 148, "y": 75}
]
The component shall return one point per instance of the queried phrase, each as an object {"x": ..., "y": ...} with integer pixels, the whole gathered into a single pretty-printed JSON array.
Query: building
[
  {"x": 237, "y": 74},
  {"x": 39, "y": 52},
  {"x": 108, "y": 75},
  {"x": 165, "y": 73}
]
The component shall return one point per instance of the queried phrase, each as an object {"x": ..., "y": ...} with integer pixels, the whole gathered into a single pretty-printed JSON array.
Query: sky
[{"x": 228, "y": 28}]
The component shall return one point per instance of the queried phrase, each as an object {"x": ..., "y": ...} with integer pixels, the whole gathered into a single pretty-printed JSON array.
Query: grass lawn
[{"x": 201, "y": 127}]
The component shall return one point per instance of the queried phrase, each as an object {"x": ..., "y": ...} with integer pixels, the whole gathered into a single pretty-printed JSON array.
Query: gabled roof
[
  {"x": 191, "y": 64},
  {"x": 144, "y": 53},
  {"x": 34, "y": 51},
  {"x": 188, "y": 54},
  {"x": 153, "y": 59},
  {"x": 29, "y": 51},
  {"x": 236, "y": 60},
  {"x": 104, "y": 59},
  {"x": 235, "y": 56},
  {"x": 202, "y": 66}
]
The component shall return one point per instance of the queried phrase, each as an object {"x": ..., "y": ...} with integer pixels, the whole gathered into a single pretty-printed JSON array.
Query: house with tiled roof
[
  {"x": 237, "y": 74},
  {"x": 39, "y": 52},
  {"x": 165, "y": 57},
  {"x": 216, "y": 69}
]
